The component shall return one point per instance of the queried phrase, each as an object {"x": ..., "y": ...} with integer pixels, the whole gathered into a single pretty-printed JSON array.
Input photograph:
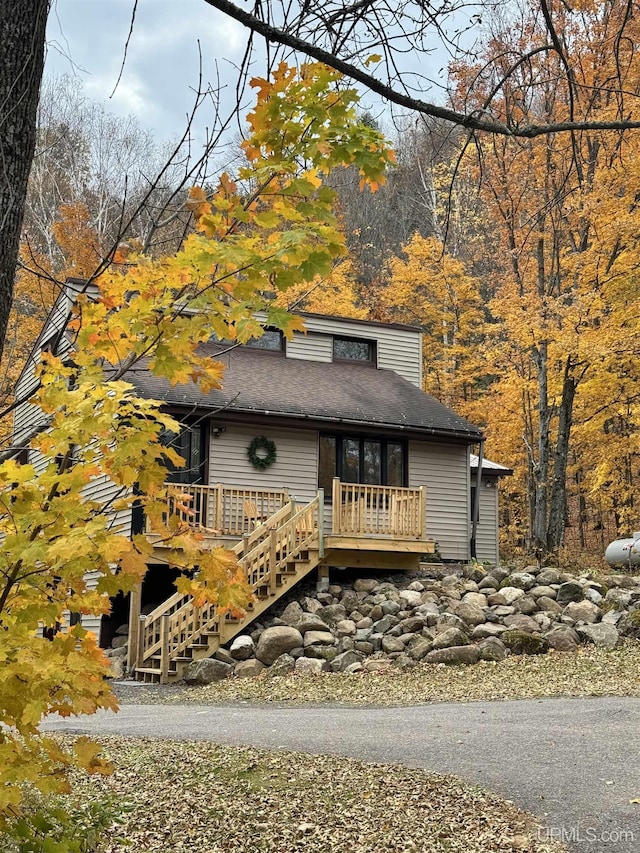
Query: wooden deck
[{"x": 373, "y": 527}]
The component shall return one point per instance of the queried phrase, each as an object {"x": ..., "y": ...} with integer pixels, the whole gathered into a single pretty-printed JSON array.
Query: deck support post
[
  {"x": 142, "y": 621},
  {"x": 135, "y": 605},
  {"x": 336, "y": 507},
  {"x": 164, "y": 649},
  {"x": 422, "y": 526},
  {"x": 322, "y": 584},
  {"x": 218, "y": 521},
  {"x": 273, "y": 542},
  {"x": 321, "y": 523}
]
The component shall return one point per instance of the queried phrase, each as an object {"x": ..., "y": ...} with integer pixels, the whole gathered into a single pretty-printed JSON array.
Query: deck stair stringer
[{"x": 275, "y": 557}]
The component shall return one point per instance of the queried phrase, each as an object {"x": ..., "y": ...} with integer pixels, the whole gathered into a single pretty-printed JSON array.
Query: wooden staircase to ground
[{"x": 278, "y": 554}]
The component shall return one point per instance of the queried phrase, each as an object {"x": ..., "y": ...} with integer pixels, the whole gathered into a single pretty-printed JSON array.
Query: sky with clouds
[{"x": 86, "y": 38}]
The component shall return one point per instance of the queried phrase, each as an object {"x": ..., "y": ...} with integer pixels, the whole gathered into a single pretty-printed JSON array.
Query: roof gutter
[{"x": 469, "y": 437}]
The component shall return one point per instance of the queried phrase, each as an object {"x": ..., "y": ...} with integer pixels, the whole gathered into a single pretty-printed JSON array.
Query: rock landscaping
[{"x": 445, "y": 615}]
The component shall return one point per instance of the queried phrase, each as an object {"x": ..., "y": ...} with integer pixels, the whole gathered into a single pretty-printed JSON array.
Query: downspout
[{"x": 475, "y": 509}]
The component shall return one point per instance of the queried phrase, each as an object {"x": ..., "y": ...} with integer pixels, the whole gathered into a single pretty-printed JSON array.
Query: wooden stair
[{"x": 275, "y": 557}]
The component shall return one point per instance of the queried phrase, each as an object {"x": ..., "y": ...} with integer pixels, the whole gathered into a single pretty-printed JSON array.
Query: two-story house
[{"x": 318, "y": 452}]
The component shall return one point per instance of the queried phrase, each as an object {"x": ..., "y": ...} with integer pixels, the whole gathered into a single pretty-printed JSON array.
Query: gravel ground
[
  {"x": 589, "y": 672},
  {"x": 199, "y": 797}
]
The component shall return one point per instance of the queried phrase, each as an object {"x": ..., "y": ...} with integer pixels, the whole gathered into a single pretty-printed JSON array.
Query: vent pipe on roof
[{"x": 475, "y": 509}]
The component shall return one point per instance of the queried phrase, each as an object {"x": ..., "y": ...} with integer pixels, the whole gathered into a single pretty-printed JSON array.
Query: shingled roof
[{"x": 264, "y": 383}]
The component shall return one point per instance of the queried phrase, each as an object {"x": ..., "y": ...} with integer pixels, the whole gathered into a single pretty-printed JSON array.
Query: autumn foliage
[{"x": 269, "y": 230}]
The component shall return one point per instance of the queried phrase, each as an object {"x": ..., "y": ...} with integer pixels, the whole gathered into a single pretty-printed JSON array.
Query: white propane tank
[{"x": 624, "y": 552}]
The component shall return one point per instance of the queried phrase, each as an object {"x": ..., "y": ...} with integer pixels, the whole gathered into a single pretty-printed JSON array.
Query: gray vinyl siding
[
  {"x": 444, "y": 470},
  {"x": 26, "y": 416},
  {"x": 295, "y": 468},
  {"x": 310, "y": 347},
  {"x": 487, "y": 533},
  {"x": 398, "y": 349}
]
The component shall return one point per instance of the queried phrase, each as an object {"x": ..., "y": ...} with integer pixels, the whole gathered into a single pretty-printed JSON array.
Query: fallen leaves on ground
[
  {"x": 197, "y": 796},
  {"x": 589, "y": 672}
]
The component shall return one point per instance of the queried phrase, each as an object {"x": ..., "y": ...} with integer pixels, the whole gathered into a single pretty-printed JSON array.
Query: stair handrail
[{"x": 162, "y": 628}]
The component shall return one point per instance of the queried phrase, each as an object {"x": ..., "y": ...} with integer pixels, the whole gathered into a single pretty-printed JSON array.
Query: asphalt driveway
[{"x": 573, "y": 762}]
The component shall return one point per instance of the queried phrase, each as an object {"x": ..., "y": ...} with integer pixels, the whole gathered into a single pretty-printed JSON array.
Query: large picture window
[{"x": 372, "y": 461}]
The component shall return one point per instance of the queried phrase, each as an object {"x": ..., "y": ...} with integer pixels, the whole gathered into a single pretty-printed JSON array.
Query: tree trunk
[
  {"x": 541, "y": 470},
  {"x": 22, "y": 38},
  {"x": 558, "y": 502}
]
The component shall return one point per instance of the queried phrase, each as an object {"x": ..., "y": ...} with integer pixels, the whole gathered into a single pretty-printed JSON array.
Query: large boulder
[
  {"x": 392, "y": 644},
  {"x": 454, "y": 655},
  {"x": 292, "y": 613},
  {"x": 450, "y": 620},
  {"x": 248, "y": 668},
  {"x": 390, "y": 607},
  {"x": 621, "y": 598},
  {"x": 470, "y": 613},
  {"x": 341, "y": 662},
  {"x": 385, "y": 624},
  {"x": 311, "y": 622},
  {"x": 349, "y": 600},
  {"x": 603, "y": 635},
  {"x": 318, "y": 638},
  {"x": 629, "y": 624},
  {"x": 523, "y": 643},
  {"x": 282, "y": 666},
  {"x": 332, "y": 614},
  {"x": 542, "y": 590},
  {"x": 549, "y": 604},
  {"x": 242, "y": 648},
  {"x": 311, "y": 666},
  {"x": 365, "y": 585},
  {"x": 492, "y": 649},
  {"x": 563, "y": 639},
  {"x": 521, "y": 580},
  {"x": 345, "y": 628},
  {"x": 510, "y": 594},
  {"x": 412, "y": 624},
  {"x": 475, "y": 599},
  {"x": 526, "y": 605},
  {"x": 520, "y": 622},
  {"x": 487, "y": 629},
  {"x": 410, "y": 598},
  {"x": 583, "y": 611},
  {"x": 206, "y": 671},
  {"x": 418, "y": 650},
  {"x": 569, "y": 591},
  {"x": 549, "y": 576},
  {"x": 322, "y": 652},
  {"x": 450, "y": 637},
  {"x": 277, "y": 641}
]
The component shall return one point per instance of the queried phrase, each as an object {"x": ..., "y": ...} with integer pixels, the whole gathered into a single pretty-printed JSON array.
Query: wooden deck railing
[
  {"x": 360, "y": 510},
  {"x": 177, "y": 623},
  {"x": 227, "y": 511}
]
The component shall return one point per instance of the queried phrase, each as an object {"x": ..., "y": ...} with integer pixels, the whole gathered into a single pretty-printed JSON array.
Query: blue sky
[{"x": 86, "y": 38}]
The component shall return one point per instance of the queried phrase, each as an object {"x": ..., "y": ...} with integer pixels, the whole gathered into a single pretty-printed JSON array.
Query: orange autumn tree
[
  {"x": 36, "y": 286},
  {"x": 429, "y": 288},
  {"x": 271, "y": 230},
  {"x": 549, "y": 322},
  {"x": 335, "y": 294}
]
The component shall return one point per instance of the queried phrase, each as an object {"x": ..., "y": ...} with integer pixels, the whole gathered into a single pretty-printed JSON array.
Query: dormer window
[
  {"x": 272, "y": 340},
  {"x": 354, "y": 349}
]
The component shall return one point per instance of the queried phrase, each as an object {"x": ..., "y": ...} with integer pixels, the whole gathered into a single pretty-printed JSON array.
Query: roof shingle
[{"x": 267, "y": 383}]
